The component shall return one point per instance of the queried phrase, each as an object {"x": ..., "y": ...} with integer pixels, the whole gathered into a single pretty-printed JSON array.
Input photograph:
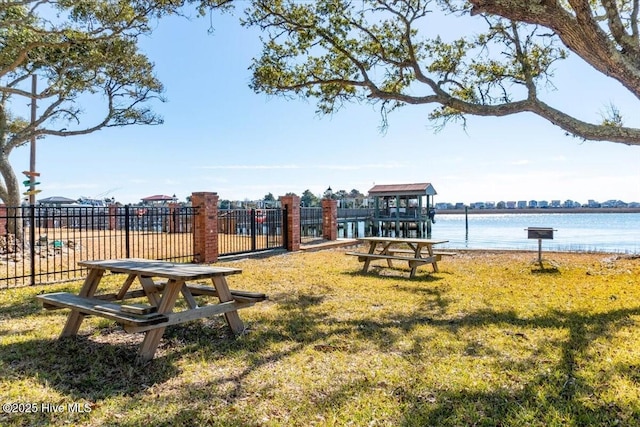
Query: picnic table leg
[
  {"x": 224, "y": 294},
  {"x": 372, "y": 248},
  {"x": 416, "y": 254},
  {"x": 125, "y": 286},
  {"x": 152, "y": 338},
  {"x": 151, "y": 290},
  {"x": 385, "y": 251},
  {"x": 414, "y": 268},
  {"x": 434, "y": 264},
  {"x": 88, "y": 289}
]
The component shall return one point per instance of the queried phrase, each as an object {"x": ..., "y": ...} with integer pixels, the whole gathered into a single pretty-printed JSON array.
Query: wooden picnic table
[
  {"x": 153, "y": 316},
  {"x": 415, "y": 251}
]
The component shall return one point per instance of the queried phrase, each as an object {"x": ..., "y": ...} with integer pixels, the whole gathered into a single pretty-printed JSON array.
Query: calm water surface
[{"x": 606, "y": 232}]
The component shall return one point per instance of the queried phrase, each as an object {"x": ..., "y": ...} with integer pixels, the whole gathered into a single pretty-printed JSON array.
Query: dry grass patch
[{"x": 492, "y": 339}]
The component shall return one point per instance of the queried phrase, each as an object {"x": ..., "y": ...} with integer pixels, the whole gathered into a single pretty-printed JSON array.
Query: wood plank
[
  {"x": 98, "y": 307},
  {"x": 129, "y": 295},
  {"x": 362, "y": 256},
  {"x": 445, "y": 253},
  {"x": 138, "y": 308},
  {"x": 153, "y": 294},
  {"x": 197, "y": 289},
  {"x": 233, "y": 319},
  {"x": 397, "y": 240},
  {"x": 125, "y": 286},
  {"x": 72, "y": 325},
  {"x": 152, "y": 338},
  {"x": 424, "y": 252},
  {"x": 155, "y": 268},
  {"x": 193, "y": 314}
]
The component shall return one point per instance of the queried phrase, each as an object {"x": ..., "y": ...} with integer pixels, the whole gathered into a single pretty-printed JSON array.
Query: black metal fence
[
  {"x": 43, "y": 244},
  {"x": 310, "y": 223},
  {"x": 354, "y": 223},
  {"x": 250, "y": 230},
  {"x": 351, "y": 222},
  {"x": 49, "y": 250}
]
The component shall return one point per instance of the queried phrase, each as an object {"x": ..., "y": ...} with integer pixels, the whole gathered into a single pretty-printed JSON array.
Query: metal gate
[{"x": 250, "y": 230}]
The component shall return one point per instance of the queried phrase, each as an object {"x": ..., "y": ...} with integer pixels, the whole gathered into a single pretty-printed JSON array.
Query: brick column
[
  {"x": 292, "y": 204},
  {"x": 205, "y": 227},
  {"x": 3, "y": 220},
  {"x": 113, "y": 209},
  {"x": 329, "y": 219}
]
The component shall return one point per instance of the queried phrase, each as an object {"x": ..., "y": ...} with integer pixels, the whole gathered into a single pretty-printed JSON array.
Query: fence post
[
  {"x": 173, "y": 218},
  {"x": 3, "y": 219},
  {"x": 292, "y": 208},
  {"x": 205, "y": 227},
  {"x": 113, "y": 209},
  {"x": 329, "y": 219},
  {"x": 253, "y": 229},
  {"x": 127, "y": 231}
]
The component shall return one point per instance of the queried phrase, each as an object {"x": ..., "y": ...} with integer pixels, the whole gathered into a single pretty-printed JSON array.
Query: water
[
  {"x": 597, "y": 232},
  {"x": 577, "y": 232}
]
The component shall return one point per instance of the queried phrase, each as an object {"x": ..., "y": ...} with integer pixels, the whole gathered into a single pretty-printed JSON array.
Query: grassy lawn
[{"x": 490, "y": 340}]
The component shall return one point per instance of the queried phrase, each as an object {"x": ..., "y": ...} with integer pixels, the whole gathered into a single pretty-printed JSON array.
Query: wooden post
[
  {"x": 428, "y": 220},
  {"x": 397, "y": 216},
  {"x": 466, "y": 222}
]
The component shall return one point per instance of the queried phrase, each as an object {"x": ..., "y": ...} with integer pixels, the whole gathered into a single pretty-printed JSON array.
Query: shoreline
[{"x": 536, "y": 211}]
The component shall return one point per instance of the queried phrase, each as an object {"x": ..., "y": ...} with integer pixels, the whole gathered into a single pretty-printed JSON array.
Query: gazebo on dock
[{"x": 403, "y": 208}]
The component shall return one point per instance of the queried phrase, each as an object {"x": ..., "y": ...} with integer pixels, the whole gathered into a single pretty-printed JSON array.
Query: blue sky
[{"x": 220, "y": 136}]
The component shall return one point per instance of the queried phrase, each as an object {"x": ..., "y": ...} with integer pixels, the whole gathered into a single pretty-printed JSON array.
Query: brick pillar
[
  {"x": 113, "y": 209},
  {"x": 205, "y": 227},
  {"x": 3, "y": 219},
  {"x": 292, "y": 204},
  {"x": 329, "y": 219}
]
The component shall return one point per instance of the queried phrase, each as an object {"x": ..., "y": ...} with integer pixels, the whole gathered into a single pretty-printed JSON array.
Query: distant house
[
  {"x": 444, "y": 206},
  {"x": 522, "y": 204}
]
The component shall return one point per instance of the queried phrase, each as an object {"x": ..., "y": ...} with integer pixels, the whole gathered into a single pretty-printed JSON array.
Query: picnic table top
[
  {"x": 413, "y": 240},
  {"x": 156, "y": 268}
]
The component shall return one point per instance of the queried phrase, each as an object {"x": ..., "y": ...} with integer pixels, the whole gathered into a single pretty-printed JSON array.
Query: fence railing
[
  {"x": 310, "y": 223},
  {"x": 352, "y": 222},
  {"x": 43, "y": 244},
  {"x": 250, "y": 230}
]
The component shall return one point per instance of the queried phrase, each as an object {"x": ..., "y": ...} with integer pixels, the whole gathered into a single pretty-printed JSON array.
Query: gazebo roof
[
  {"x": 57, "y": 200},
  {"x": 392, "y": 190}
]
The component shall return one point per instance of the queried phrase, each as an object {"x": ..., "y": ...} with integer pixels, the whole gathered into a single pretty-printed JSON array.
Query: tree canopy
[
  {"x": 385, "y": 52},
  {"x": 90, "y": 72}
]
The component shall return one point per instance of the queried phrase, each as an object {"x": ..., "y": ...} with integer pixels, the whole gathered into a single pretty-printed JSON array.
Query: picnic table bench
[
  {"x": 387, "y": 248},
  {"x": 158, "y": 313}
]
